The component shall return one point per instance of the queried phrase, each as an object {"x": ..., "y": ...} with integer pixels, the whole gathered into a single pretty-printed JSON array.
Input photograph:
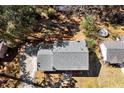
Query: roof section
[
  {"x": 72, "y": 46},
  {"x": 71, "y": 61},
  {"x": 74, "y": 56},
  {"x": 66, "y": 55},
  {"x": 114, "y": 44},
  {"x": 45, "y": 51},
  {"x": 45, "y": 60}
]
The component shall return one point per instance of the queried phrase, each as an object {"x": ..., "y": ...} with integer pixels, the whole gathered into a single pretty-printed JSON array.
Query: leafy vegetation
[
  {"x": 91, "y": 43},
  {"x": 16, "y": 23},
  {"x": 89, "y": 25}
]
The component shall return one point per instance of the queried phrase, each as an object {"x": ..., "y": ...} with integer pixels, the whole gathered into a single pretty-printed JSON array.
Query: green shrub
[
  {"x": 91, "y": 43},
  {"x": 88, "y": 24}
]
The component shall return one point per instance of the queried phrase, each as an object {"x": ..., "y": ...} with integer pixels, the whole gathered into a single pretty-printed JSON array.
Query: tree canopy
[{"x": 16, "y": 23}]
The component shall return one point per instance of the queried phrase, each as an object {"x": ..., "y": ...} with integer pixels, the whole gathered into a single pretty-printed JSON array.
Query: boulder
[{"x": 103, "y": 32}]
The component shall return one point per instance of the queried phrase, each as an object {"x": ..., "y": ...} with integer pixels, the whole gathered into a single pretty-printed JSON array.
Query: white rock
[{"x": 103, "y": 32}]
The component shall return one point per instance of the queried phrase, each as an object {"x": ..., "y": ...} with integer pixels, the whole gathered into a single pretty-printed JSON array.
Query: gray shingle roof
[
  {"x": 45, "y": 60},
  {"x": 115, "y": 55},
  {"x": 72, "y": 56},
  {"x": 115, "y": 51},
  {"x": 78, "y": 46},
  {"x": 71, "y": 61},
  {"x": 114, "y": 44}
]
